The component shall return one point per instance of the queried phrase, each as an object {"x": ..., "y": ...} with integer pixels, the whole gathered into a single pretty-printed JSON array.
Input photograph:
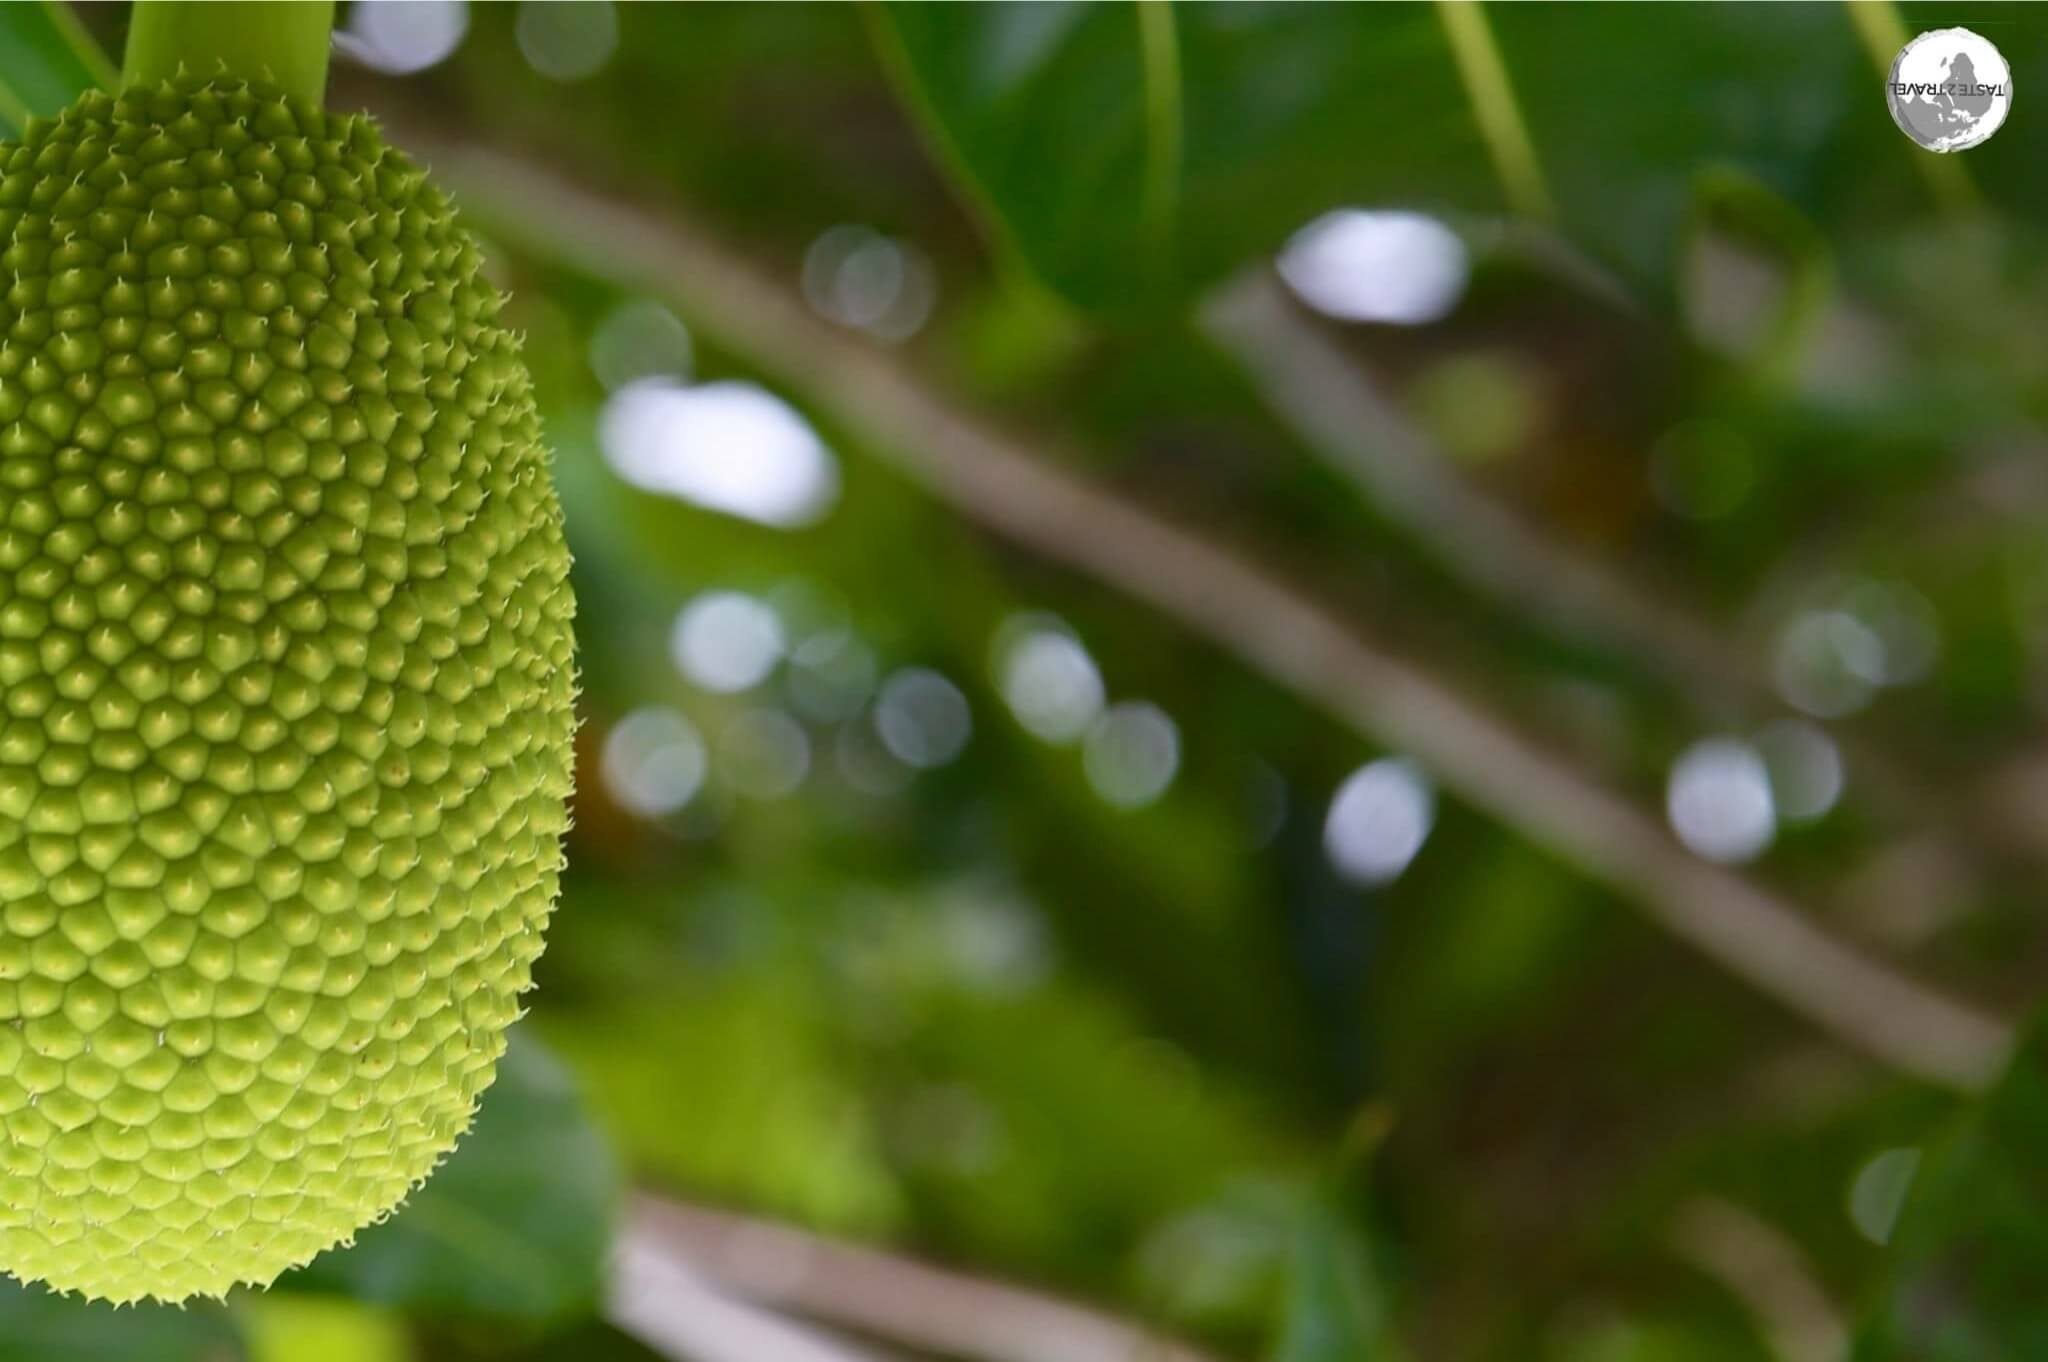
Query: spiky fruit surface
[{"x": 285, "y": 687}]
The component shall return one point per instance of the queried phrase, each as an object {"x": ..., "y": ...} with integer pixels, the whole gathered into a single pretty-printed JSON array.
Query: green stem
[
  {"x": 1494, "y": 108},
  {"x": 284, "y": 44},
  {"x": 1159, "y": 49},
  {"x": 1883, "y": 33}
]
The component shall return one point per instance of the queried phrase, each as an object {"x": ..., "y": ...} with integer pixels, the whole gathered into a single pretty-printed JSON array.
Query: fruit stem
[{"x": 284, "y": 44}]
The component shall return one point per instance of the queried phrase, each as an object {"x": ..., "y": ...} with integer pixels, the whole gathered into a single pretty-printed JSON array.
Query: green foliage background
[{"x": 1204, "y": 1083}]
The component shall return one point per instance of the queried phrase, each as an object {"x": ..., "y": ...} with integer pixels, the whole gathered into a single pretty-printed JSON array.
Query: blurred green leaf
[
  {"x": 1292, "y": 110},
  {"x": 286, "y": 1327},
  {"x": 735, "y": 1084},
  {"x": 1600, "y": 1336},
  {"x": 36, "y": 1326},
  {"x": 46, "y": 61},
  {"x": 587, "y": 1342},
  {"x": 1043, "y": 111},
  {"x": 1968, "y": 1279},
  {"x": 1333, "y": 1309},
  {"x": 517, "y": 1223},
  {"x": 1021, "y": 1105}
]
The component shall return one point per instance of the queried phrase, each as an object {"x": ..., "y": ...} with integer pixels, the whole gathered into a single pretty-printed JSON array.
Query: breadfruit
[{"x": 286, "y": 687}]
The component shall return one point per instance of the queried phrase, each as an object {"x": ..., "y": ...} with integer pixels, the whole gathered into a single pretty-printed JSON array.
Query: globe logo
[{"x": 1949, "y": 89}]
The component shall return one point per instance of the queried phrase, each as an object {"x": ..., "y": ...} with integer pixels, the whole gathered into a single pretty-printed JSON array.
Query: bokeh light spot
[
  {"x": 399, "y": 37},
  {"x": 764, "y": 754},
  {"x": 996, "y": 946},
  {"x": 1805, "y": 768},
  {"x": 922, "y": 718},
  {"x": 640, "y": 339},
  {"x": 727, "y": 641},
  {"x": 729, "y": 446},
  {"x": 1380, "y": 818},
  {"x": 1719, "y": 800},
  {"x": 567, "y": 39},
  {"x": 831, "y": 675},
  {"x": 1132, "y": 754},
  {"x": 653, "y": 762},
  {"x": 1481, "y": 407},
  {"x": 1361, "y": 266},
  {"x": 1828, "y": 663},
  {"x": 859, "y": 278},
  {"x": 1048, "y": 679}
]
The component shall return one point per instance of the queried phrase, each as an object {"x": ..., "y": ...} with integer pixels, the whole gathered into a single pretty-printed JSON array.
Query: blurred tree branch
[
  {"x": 658, "y": 1298},
  {"x": 1768, "y": 1273},
  {"x": 868, "y": 1291},
  {"x": 1025, "y": 493},
  {"x": 1340, "y": 414}
]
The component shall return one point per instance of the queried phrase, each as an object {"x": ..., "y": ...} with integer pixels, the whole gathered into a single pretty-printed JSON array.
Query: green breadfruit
[{"x": 286, "y": 687}]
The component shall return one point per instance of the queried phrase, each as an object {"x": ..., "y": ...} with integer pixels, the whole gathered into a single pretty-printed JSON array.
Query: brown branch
[
  {"x": 1341, "y": 416},
  {"x": 877, "y": 1294},
  {"x": 1026, "y": 494},
  {"x": 1767, "y": 1273},
  {"x": 1320, "y": 391},
  {"x": 656, "y": 1297}
]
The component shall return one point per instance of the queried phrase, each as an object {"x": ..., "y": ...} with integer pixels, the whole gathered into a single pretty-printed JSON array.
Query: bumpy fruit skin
[{"x": 286, "y": 687}]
